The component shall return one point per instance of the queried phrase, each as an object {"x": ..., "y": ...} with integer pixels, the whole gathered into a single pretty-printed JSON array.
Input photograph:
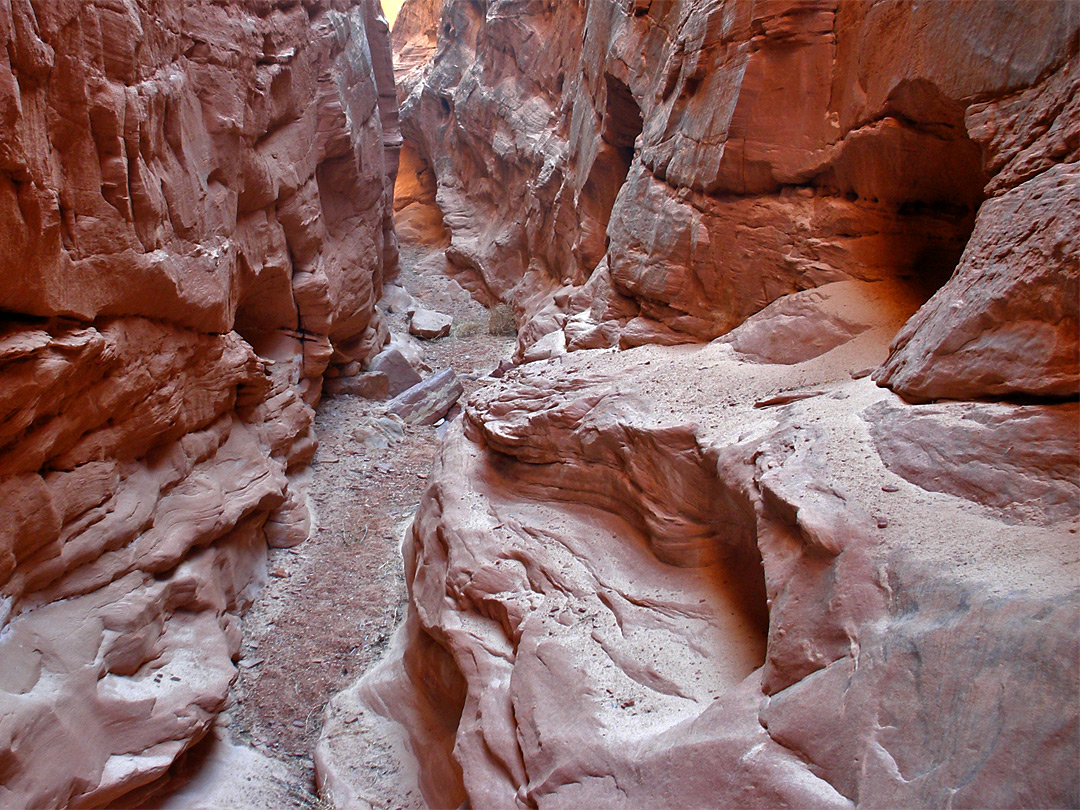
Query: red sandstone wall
[
  {"x": 825, "y": 559},
  {"x": 194, "y": 221},
  {"x": 631, "y": 172}
]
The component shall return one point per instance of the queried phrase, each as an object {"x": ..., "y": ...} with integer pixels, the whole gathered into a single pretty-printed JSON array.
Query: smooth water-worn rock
[
  {"x": 632, "y": 587},
  {"x": 194, "y": 214},
  {"x": 827, "y": 559}
]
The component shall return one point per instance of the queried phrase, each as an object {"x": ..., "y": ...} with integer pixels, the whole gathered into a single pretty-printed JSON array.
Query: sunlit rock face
[
  {"x": 826, "y": 558},
  {"x": 194, "y": 214}
]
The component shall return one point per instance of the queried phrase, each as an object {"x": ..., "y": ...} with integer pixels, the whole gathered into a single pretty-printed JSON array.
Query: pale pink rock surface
[
  {"x": 428, "y": 324},
  {"x": 194, "y": 214},
  {"x": 428, "y": 401},
  {"x": 632, "y": 588}
]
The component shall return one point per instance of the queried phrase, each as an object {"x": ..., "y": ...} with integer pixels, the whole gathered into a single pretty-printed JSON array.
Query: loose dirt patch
[{"x": 333, "y": 602}]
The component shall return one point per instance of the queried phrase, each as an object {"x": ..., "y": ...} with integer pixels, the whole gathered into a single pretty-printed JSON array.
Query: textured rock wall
[
  {"x": 194, "y": 216},
  {"x": 418, "y": 217},
  {"x": 641, "y": 171},
  {"x": 828, "y": 559}
]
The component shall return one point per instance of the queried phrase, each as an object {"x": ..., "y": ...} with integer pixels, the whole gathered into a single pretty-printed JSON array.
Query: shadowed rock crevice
[
  {"x": 621, "y": 125},
  {"x": 665, "y": 486},
  {"x": 920, "y": 165},
  {"x": 418, "y": 219}
]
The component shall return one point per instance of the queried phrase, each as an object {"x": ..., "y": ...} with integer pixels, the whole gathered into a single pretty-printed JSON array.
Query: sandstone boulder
[
  {"x": 369, "y": 385},
  {"x": 427, "y": 402},
  {"x": 1008, "y": 322},
  {"x": 428, "y": 324},
  {"x": 399, "y": 372}
]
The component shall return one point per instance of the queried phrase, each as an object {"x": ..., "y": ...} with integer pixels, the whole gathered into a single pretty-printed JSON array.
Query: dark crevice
[
  {"x": 622, "y": 123},
  {"x": 917, "y": 161}
]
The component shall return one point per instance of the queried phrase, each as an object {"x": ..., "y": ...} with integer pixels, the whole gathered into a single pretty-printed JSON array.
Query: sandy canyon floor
[{"x": 331, "y": 605}]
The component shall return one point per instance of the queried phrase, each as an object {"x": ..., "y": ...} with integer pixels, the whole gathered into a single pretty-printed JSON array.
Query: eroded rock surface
[
  {"x": 194, "y": 214},
  {"x": 645, "y": 172},
  {"x": 770, "y": 570},
  {"x": 630, "y": 587}
]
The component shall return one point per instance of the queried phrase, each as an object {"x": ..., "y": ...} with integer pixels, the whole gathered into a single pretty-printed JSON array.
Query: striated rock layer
[
  {"x": 830, "y": 557},
  {"x": 676, "y": 577},
  {"x": 629, "y": 172},
  {"x": 194, "y": 219}
]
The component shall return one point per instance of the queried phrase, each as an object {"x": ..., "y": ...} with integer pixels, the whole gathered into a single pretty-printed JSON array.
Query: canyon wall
[
  {"x": 195, "y": 219},
  {"x": 827, "y": 555},
  {"x": 631, "y": 172}
]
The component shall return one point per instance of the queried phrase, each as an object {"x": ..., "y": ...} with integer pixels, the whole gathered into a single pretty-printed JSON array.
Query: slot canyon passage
[{"x": 544, "y": 404}]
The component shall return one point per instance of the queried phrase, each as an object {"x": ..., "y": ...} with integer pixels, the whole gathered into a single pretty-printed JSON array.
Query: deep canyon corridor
[{"x": 539, "y": 404}]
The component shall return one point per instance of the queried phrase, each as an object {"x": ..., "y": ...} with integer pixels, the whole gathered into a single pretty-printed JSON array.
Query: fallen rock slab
[
  {"x": 428, "y": 402},
  {"x": 1006, "y": 323},
  {"x": 429, "y": 324},
  {"x": 369, "y": 385},
  {"x": 398, "y": 370},
  {"x": 396, "y": 299}
]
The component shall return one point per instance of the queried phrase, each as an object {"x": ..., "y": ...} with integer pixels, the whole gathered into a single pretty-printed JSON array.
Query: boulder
[
  {"x": 396, "y": 299},
  {"x": 1008, "y": 322},
  {"x": 428, "y": 402},
  {"x": 398, "y": 370},
  {"x": 369, "y": 385},
  {"x": 429, "y": 324}
]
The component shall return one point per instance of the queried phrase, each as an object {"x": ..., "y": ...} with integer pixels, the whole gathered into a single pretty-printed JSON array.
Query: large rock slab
[
  {"x": 428, "y": 324},
  {"x": 427, "y": 402},
  {"x": 369, "y": 385},
  {"x": 400, "y": 373}
]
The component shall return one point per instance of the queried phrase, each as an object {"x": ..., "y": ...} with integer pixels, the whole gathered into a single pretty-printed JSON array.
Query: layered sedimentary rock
[
  {"x": 829, "y": 558},
  {"x": 418, "y": 217},
  {"x": 693, "y": 577},
  {"x": 194, "y": 219},
  {"x": 636, "y": 172}
]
